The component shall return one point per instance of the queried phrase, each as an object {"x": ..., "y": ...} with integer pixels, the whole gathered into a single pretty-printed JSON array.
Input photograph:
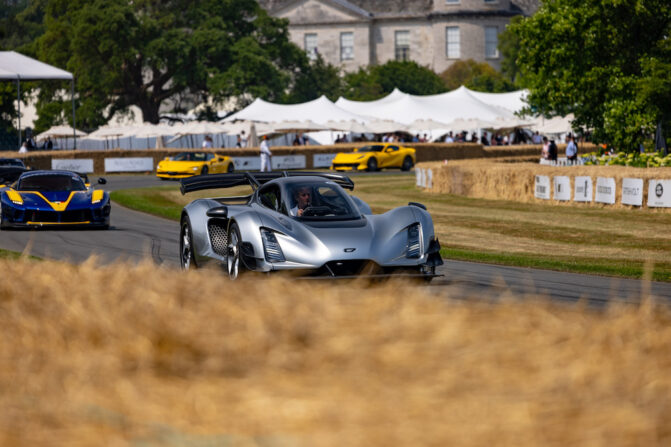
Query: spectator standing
[
  {"x": 207, "y": 142},
  {"x": 545, "y": 152},
  {"x": 265, "y": 155},
  {"x": 48, "y": 144},
  {"x": 536, "y": 138},
  {"x": 552, "y": 148},
  {"x": 571, "y": 149},
  {"x": 449, "y": 138},
  {"x": 239, "y": 142},
  {"x": 483, "y": 139},
  {"x": 24, "y": 148},
  {"x": 243, "y": 139}
]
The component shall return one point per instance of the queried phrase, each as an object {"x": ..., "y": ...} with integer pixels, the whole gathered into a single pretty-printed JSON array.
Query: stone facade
[{"x": 358, "y": 33}]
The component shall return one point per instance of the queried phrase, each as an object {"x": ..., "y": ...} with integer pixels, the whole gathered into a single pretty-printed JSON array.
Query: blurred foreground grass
[{"x": 140, "y": 355}]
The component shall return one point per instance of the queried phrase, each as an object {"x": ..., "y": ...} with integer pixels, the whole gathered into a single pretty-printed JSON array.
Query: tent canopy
[{"x": 16, "y": 66}]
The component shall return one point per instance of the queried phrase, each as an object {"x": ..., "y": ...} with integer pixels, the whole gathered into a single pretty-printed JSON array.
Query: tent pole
[
  {"x": 18, "y": 104},
  {"x": 74, "y": 116}
]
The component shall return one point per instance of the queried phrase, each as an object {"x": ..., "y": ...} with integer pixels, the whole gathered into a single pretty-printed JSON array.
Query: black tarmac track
[{"x": 135, "y": 236}]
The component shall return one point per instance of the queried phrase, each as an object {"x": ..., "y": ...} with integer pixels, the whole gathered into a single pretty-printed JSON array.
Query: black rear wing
[{"x": 254, "y": 179}]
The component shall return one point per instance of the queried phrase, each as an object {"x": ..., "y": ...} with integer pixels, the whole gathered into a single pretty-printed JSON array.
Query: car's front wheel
[
  {"x": 186, "y": 257},
  {"x": 372, "y": 164},
  {"x": 407, "y": 164},
  {"x": 234, "y": 262}
]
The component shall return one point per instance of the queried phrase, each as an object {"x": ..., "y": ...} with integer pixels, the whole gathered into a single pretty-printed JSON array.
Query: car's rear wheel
[
  {"x": 203, "y": 171},
  {"x": 234, "y": 262},
  {"x": 407, "y": 164},
  {"x": 231, "y": 167},
  {"x": 186, "y": 256},
  {"x": 372, "y": 164}
]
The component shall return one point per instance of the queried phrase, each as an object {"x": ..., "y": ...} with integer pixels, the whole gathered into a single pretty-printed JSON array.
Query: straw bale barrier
[
  {"x": 487, "y": 179},
  {"x": 140, "y": 355},
  {"x": 425, "y": 152}
]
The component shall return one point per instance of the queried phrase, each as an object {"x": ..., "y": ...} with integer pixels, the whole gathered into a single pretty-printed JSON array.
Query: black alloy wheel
[
  {"x": 372, "y": 164},
  {"x": 186, "y": 258},
  {"x": 407, "y": 164},
  {"x": 234, "y": 263}
]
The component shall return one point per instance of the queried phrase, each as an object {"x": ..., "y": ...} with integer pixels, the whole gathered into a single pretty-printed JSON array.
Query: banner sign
[
  {"x": 632, "y": 191},
  {"x": 134, "y": 164},
  {"x": 659, "y": 193},
  {"x": 542, "y": 187},
  {"x": 583, "y": 189},
  {"x": 282, "y": 162},
  {"x": 83, "y": 165},
  {"x": 247, "y": 163},
  {"x": 562, "y": 187},
  {"x": 322, "y": 160},
  {"x": 605, "y": 190},
  {"x": 429, "y": 178}
]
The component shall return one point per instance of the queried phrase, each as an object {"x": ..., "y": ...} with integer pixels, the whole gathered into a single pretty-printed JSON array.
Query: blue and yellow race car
[{"x": 53, "y": 198}]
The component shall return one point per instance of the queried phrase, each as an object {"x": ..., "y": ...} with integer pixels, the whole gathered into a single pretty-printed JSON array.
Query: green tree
[
  {"x": 316, "y": 79},
  {"x": 379, "y": 80},
  {"x": 509, "y": 46},
  {"x": 152, "y": 53},
  {"x": 479, "y": 76},
  {"x": 605, "y": 61}
]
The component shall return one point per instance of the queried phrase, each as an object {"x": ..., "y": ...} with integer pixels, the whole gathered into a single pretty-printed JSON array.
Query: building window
[
  {"x": 402, "y": 46},
  {"x": 453, "y": 42},
  {"x": 311, "y": 46},
  {"x": 346, "y": 46},
  {"x": 452, "y": 2},
  {"x": 491, "y": 42}
]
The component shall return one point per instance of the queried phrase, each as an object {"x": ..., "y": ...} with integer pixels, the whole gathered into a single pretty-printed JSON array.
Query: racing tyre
[
  {"x": 230, "y": 168},
  {"x": 186, "y": 257},
  {"x": 372, "y": 164},
  {"x": 407, "y": 164},
  {"x": 203, "y": 171},
  {"x": 234, "y": 262}
]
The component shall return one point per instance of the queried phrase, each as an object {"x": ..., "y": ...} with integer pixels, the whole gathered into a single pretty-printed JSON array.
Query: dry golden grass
[
  {"x": 139, "y": 355},
  {"x": 515, "y": 181}
]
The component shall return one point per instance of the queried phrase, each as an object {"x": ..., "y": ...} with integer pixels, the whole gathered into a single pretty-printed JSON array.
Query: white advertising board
[
  {"x": 542, "y": 187},
  {"x": 247, "y": 163},
  {"x": 322, "y": 160},
  {"x": 583, "y": 189},
  {"x": 632, "y": 191},
  {"x": 133, "y": 164},
  {"x": 562, "y": 187},
  {"x": 429, "y": 178},
  {"x": 282, "y": 162},
  {"x": 418, "y": 176},
  {"x": 659, "y": 193},
  {"x": 83, "y": 165},
  {"x": 605, "y": 190}
]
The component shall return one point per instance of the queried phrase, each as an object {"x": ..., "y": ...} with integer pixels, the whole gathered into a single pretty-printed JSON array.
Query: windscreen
[
  {"x": 190, "y": 156},
  {"x": 320, "y": 201},
  {"x": 51, "y": 182},
  {"x": 371, "y": 148}
]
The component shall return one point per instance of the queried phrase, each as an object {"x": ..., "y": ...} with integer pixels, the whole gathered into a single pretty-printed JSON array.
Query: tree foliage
[
  {"x": 379, "y": 80},
  {"x": 151, "y": 53},
  {"x": 479, "y": 76},
  {"x": 316, "y": 79},
  {"x": 605, "y": 61}
]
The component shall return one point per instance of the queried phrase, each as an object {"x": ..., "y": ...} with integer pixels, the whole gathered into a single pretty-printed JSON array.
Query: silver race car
[{"x": 303, "y": 222}]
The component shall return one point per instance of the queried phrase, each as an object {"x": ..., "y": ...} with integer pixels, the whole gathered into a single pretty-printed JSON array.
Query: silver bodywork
[{"x": 330, "y": 247}]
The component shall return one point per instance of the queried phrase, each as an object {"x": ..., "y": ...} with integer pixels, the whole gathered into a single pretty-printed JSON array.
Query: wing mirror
[
  {"x": 219, "y": 211},
  {"x": 102, "y": 180}
]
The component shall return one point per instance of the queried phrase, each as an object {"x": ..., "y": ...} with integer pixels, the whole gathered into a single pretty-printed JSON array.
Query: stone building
[{"x": 433, "y": 33}]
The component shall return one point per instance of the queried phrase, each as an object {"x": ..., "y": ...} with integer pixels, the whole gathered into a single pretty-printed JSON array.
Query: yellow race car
[
  {"x": 187, "y": 164},
  {"x": 375, "y": 156}
]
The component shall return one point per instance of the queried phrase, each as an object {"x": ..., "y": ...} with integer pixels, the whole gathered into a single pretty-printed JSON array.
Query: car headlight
[
  {"x": 414, "y": 248},
  {"x": 97, "y": 195},
  {"x": 15, "y": 197},
  {"x": 195, "y": 168},
  {"x": 271, "y": 248}
]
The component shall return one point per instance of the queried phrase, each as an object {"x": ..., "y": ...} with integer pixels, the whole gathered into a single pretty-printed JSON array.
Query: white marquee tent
[{"x": 17, "y": 67}]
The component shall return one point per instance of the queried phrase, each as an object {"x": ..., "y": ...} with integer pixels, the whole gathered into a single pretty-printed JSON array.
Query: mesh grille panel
[{"x": 218, "y": 238}]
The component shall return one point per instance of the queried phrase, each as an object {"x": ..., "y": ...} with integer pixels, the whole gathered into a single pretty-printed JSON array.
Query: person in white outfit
[{"x": 265, "y": 155}]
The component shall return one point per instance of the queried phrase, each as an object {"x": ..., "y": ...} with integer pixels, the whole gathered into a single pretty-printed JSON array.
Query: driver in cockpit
[{"x": 303, "y": 199}]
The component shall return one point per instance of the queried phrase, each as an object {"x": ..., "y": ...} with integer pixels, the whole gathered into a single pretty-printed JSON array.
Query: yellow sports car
[
  {"x": 187, "y": 164},
  {"x": 374, "y": 157}
]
